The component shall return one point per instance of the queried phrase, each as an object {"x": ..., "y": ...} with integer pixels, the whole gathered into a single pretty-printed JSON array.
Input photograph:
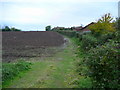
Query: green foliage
[
  {"x": 48, "y": 28},
  {"x": 9, "y": 29},
  {"x": 117, "y": 24},
  {"x": 103, "y": 63},
  {"x": 105, "y": 38},
  {"x": 106, "y": 18},
  {"x": 61, "y": 29},
  {"x": 83, "y": 81},
  {"x": 10, "y": 70},
  {"x": 88, "y": 41},
  {"x": 69, "y": 33},
  {"x": 14, "y": 29}
]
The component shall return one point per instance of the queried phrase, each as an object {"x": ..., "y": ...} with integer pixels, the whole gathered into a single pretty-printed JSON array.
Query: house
[
  {"x": 86, "y": 28},
  {"x": 83, "y": 29},
  {"x": 77, "y": 28}
]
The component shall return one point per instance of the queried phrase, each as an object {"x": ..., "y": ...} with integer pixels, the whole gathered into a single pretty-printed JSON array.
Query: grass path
[{"x": 52, "y": 72}]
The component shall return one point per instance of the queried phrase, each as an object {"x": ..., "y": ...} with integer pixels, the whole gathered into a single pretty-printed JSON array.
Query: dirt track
[{"x": 29, "y": 44}]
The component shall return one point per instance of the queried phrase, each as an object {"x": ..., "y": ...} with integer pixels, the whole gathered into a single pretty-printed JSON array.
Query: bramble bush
[
  {"x": 103, "y": 63},
  {"x": 88, "y": 41},
  {"x": 105, "y": 38},
  {"x": 10, "y": 70}
]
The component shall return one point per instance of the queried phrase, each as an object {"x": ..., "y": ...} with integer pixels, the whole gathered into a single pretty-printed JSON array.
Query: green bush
[
  {"x": 88, "y": 41},
  {"x": 69, "y": 33},
  {"x": 103, "y": 63},
  {"x": 105, "y": 38},
  {"x": 101, "y": 59},
  {"x": 10, "y": 70}
]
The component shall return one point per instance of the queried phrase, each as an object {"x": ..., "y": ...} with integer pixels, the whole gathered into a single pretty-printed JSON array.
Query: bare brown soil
[{"x": 25, "y": 44}]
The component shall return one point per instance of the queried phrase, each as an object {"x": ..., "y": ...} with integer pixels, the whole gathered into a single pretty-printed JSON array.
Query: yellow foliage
[{"x": 103, "y": 25}]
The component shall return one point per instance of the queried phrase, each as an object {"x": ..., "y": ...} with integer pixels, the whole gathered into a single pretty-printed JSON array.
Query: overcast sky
[{"x": 36, "y": 14}]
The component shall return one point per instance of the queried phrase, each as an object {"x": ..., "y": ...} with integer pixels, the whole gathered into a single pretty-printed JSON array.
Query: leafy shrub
[
  {"x": 102, "y": 28},
  {"x": 88, "y": 41},
  {"x": 10, "y": 70},
  {"x": 117, "y": 23},
  {"x": 103, "y": 63},
  {"x": 105, "y": 38},
  {"x": 69, "y": 33}
]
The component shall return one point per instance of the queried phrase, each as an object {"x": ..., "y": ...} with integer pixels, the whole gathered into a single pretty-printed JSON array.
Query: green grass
[{"x": 11, "y": 70}]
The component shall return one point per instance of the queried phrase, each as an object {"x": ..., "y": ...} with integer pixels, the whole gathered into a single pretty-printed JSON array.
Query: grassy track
[{"x": 52, "y": 72}]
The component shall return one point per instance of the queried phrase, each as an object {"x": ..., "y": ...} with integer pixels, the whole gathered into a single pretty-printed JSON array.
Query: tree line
[{"x": 6, "y": 28}]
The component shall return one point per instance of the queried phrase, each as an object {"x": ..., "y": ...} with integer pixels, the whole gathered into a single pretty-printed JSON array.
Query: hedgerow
[{"x": 68, "y": 33}]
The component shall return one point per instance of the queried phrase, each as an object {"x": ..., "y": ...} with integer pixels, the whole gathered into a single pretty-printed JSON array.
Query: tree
[
  {"x": 106, "y": 18},
  {"x": 14, "y": 29},
  {"x": 48, "y": 28},
  {"x": 6, "y": 28},
  {"x": 103, "y": 26}
]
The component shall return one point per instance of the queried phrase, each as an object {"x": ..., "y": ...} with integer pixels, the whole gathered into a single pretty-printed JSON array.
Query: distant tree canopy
[
  {"x": 61, "y": 28},
  {"x": 48, "y": 28},
  {"x": 6, "y": 28}
]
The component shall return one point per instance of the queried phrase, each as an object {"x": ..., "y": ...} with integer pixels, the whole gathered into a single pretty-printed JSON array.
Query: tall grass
[{"x": 10, "y": 70}]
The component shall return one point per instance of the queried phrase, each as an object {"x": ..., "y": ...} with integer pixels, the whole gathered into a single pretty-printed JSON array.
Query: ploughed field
[{"x": 28, "y": 44}]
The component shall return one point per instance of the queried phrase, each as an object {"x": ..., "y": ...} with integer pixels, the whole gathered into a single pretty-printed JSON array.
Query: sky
[{"x": 32, "y": 15}]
